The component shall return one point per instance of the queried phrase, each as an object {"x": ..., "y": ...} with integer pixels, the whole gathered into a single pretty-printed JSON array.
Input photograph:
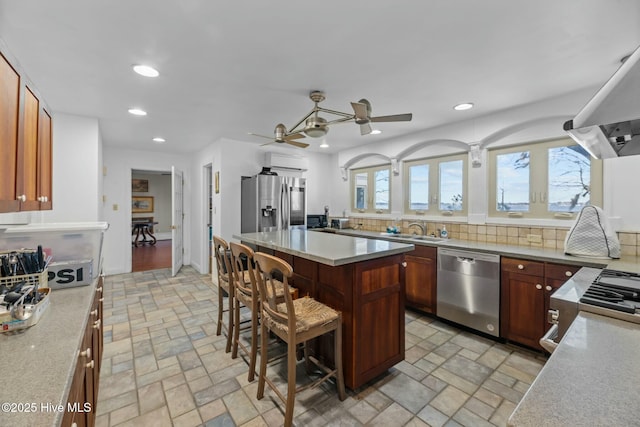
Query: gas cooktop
[{"x": 614, "y": 293}]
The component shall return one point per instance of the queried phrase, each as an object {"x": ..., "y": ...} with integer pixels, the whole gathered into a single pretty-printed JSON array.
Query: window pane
[
  {"x": 512, "y": 182},
  {"x": 381, "y": 184},
  {"x": 419, "y": 187},
  {"x": 569, "y": 179},
  {"x": 361, "y": 190},
  {"x": 451, "y": 185}
]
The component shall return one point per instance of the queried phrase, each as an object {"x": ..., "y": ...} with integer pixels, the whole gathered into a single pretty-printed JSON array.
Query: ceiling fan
[
  {"x": 315, "y": 126},
  {"x": 281, "y": 136}
]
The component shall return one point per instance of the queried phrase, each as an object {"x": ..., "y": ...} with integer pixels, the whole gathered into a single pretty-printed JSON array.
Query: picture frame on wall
[
  {"x": 139, "y": 185},
  {"x": 141, "y": 204}
]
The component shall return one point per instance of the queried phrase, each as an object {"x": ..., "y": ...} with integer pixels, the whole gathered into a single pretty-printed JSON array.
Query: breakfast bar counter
[{"x": 362, "y": 278}]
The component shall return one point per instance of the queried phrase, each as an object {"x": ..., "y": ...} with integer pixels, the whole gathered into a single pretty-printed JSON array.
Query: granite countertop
[
  {"x": 589, "y": 380},
  {"x": 38, "y": 361},
  {"x": 326, "y": 248},
  {"x": 626, "y": 263}
]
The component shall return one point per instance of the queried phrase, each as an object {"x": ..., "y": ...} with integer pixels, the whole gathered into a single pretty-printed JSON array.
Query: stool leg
[
  {"x": 230, "y": 324},
  {"x": 337, "y": 336},
  {"x": 254, "y": 339},
  {"x": 263, "y": 360},
  {"x": 236, "y": 330},
  {"x": 220, "y": 308},
  {"x": 291, "y": 381}
]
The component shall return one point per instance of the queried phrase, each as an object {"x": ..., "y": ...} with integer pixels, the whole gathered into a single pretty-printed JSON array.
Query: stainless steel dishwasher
[{"x": 469, "y": 289}]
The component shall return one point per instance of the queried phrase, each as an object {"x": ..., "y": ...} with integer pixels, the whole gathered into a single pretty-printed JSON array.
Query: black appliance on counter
[{"x": 317, "y": 221}]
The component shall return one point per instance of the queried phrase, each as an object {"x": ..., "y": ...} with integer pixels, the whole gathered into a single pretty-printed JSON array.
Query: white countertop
[
  {"x": 591, "y": 379},
  {"x": 326, "y": 248}
]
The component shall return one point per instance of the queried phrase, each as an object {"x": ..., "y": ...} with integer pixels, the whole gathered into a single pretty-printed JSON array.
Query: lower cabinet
[
  {"x": 526, "y": 288},
  {"x": 83, "y": 394},
  {"x": 421, "y": 277}
]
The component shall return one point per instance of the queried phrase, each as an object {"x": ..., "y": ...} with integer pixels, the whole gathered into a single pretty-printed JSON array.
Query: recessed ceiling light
[
  {"x": 324, "y": 144},
  {"x": 376, "y": 132},
  {"x": 463, "y": 106},
  {"x": 159, "y": 140},
  {"x": 145, "y": 70},
  {"x": 137, "y": 112}
]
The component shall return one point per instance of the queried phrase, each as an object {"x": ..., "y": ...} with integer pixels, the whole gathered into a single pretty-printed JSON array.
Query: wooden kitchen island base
[{"x": 370, "y": 295}]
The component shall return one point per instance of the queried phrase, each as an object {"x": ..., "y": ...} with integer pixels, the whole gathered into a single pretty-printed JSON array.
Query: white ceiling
[{"x": 233, "y": 67}]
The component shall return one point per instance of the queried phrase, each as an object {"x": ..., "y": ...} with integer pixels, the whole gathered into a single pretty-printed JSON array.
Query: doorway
[{"x": 151, "y": 210}]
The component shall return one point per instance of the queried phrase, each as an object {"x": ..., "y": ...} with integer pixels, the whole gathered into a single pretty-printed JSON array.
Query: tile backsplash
[{"x": 540, "y": 237}]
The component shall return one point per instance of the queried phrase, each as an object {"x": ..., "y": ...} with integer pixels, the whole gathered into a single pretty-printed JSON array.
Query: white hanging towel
[{"x": 592, "y": 236}]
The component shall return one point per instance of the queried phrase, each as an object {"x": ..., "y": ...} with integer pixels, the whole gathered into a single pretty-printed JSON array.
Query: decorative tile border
[{"x": 550, "y": 237}]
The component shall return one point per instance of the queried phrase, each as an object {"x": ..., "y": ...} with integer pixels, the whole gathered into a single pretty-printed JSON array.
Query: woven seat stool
[
  {"x": 294, "y": 322},
  {"x": 223, "y": 265}
]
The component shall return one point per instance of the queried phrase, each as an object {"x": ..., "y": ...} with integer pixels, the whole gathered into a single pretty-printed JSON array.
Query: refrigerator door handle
[{"x": 286, "y": 202}]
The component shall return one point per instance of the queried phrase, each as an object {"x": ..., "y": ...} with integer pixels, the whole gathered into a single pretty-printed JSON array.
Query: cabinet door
[
  {"x": 522, "y": 314},
  {"x": 45, "y": 172},
  {"x": 27, "y": 172},
  {"x": 420, "y": 283},
  {"x": 9, "y": 107}
]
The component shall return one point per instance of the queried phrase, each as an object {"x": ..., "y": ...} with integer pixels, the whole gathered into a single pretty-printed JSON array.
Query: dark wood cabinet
[
  {"x": 25, "y": 143},
  {"x": 421, "y": 277},
  {"x": 83, "y": 393},
  {"x": 9, "y": 115},
  {"x": 526, "y": 288}
]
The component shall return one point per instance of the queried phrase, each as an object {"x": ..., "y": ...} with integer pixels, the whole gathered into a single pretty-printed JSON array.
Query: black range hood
[{"x": 609, "y": 125}]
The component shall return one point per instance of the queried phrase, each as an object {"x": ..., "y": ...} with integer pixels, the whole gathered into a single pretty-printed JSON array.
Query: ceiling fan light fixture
[
  {"x": 316, "y": 127},
  {"x": 463, "y": 106}
]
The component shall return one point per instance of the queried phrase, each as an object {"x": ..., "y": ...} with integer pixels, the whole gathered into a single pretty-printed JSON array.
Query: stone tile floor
[{"x": 163, "y": 365}]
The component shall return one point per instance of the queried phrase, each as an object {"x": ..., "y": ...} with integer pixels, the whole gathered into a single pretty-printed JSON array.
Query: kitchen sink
[{"x": 432, "y": 239}]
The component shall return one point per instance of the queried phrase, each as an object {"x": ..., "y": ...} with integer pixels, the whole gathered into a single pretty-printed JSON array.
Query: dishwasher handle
[{"x": 467, "y": 260}]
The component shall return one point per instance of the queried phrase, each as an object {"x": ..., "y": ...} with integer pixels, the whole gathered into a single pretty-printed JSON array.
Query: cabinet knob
[
  {"x": 548, "y": 288},
  {"x": 94, "y": 312},
  {"x": 22, "y": 198},
  {"x": 86, "y": 353},
  {"x": 538, "y": 286},
  {"x": 74, "y": 425},
  {"x": 96, "y": 324},
  {"x": 101, "y": 299},
  {"x": 520, "y": 267},
  {"x": 568, "y": 273},
  {"x": 90, "y": 365},
  {"x": 404, "y": 263},
  {"x": 41, "y": 198}
]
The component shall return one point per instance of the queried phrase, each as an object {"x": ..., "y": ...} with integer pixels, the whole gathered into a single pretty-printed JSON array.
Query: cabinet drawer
[
  {"x": 523, "y": 266},
  {"x": 424, "y": 251},
  {"x": 560, "y": 271}
]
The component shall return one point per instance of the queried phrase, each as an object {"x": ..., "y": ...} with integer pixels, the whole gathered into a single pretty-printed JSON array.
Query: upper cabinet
[{"x": 25, "y": 143}]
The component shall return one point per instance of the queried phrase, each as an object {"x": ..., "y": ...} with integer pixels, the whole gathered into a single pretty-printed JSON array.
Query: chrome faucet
[{"x": 419, "y": 225}]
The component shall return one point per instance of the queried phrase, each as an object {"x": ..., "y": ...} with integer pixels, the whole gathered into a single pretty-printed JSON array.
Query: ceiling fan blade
[
  {"x": 365, "y": 129},
  {"x": 261, "y": 136},
  {"x": 297, "y": 144},
  {"x": 360, "y": 110},
  {"x": 394, "y": 118},
  {"x": 292, "y": 136}
]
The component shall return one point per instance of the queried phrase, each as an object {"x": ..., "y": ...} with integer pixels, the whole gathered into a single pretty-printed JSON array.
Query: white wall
[{"x": 117, "y": 207}]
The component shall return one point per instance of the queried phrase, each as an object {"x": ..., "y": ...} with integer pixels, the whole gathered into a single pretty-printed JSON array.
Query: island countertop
[
  {"x": 589, "y": 380},
  {"x": 326, "y": 248}
]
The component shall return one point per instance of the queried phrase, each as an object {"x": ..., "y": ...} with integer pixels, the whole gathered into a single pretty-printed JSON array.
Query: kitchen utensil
[{"x": 40, "y": 258}]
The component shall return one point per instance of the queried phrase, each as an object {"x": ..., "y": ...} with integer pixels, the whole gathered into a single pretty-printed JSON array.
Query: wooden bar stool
[
  {"x": 294, "y": 321},
  {"x": 245, "y": 292},
  {"x": 223, "y": 265}
]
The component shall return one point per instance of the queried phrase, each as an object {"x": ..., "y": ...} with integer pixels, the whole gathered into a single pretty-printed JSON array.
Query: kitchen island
[{"x": 363, "y": 278}]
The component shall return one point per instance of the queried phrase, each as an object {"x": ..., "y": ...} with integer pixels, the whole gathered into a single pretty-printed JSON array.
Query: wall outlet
[
  {"x": 534, "y": 238},
  {"x": 115, "y": 206}
]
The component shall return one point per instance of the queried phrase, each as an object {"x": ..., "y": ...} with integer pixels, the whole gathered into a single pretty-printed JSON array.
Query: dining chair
[{"x": 223, "y": 265}]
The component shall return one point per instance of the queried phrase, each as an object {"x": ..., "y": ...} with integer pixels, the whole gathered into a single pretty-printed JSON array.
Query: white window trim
[{"x": 370, "y": 171}]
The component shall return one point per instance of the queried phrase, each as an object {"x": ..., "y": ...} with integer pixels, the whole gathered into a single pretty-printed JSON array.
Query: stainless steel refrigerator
[{"x": 272, "y": 202}]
